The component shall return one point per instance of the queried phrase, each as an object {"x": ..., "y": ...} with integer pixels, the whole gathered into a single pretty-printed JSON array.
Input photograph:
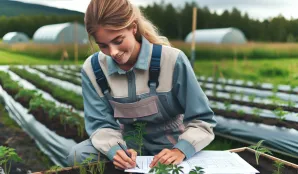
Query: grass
[
  {"x": 275, "y": 71},
  {"x": 9, "y": 58}
]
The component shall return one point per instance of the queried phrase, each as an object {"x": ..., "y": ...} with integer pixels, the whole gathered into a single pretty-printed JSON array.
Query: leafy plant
[
  {"x": 279, "y": 166},
  {"x": 240, "y": 112},
  {"x": 227, "y": 105},
  {"x": 197, "y": 170},
  {"x": 259, "y": 150},
  {"x": 7, "y": 156},
  {"x": 54, "y": 169},
  {"x": 251, "y": 98},
  {"x": 257, "y": 112},
  {"x": 161, "y": 169},
  {"x": 280, "y": 113},
  {"x": 137, "y": 135}
]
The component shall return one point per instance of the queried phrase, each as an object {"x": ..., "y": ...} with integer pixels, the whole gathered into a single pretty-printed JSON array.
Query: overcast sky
[{"x": 257, "y": 9}]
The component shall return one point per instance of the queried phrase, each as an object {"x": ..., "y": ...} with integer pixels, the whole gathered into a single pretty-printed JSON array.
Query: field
[{"x": 252, "y": 98}]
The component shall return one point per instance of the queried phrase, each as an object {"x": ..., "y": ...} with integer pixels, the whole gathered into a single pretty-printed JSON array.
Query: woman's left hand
[{"x": 168, "y": 156}]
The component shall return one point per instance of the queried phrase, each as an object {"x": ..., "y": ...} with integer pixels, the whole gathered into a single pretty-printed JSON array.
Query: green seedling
[
  {"x": 240, "y": 113},
  {"x": 227, "y": 105},
  {"x": 137, "y": 136},
  {"x": 197, "y": 170},
  {"x": 251, "y": 98},
  {"x": 259, "y": 150},
  {"x": 279, "y": 166},
  {"x": 54, "y": 169},
  {"x": 257, "y": 112},
  {"x": 280, "y": 113},
  {"x": 7, "y": 156}
]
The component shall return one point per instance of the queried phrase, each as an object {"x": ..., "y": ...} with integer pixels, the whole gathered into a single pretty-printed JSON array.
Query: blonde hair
[{"x": 120, "y": 14}]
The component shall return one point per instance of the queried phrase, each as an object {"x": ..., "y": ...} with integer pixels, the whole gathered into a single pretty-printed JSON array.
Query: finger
[
  {"x": 119, "y": 160},
  {"x": 118, "y": 165},
  {"x": 125, "y": 158},
  {"x": 133, "y": 154},
  {"x": 164, "y": 158},
  {"x": 178, "y": 161},
  {"x": 158, "y": 156},
  {"x": 170, "y": 160}
]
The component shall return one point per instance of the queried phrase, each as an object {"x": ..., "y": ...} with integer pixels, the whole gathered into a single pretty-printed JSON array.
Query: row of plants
[
  {"x": 273, "y": 97},
  {"x": 248, "y": 84},
  {"x": 62, "y": 95},
  {"x": 70, "y": 73},
  {"x": 62, "y": 120},
  {"x": 56, "y": 75},
  {"x": 251, "y": 102},
  {"x": 76, "y": 69},
  {"x": 255, "y": 116}
]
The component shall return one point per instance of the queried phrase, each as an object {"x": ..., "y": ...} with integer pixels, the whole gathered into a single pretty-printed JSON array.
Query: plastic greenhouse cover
[
  {"x": 45, "y": 95},
  {"x": 268, "y": 86},
  {"x": 53, "y": 145},
  {"x": 237, "y": 97},
  {"x": 289, "y": 116},
  {"x": 250, "y": 91},
  {"x": 59, "y": 71},
  {"x": 63, "y": 84},
  {"x": 282, "y": 139}
]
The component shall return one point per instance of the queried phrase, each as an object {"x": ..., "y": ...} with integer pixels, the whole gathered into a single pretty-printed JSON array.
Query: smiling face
[{"x": 118, "y": 44}]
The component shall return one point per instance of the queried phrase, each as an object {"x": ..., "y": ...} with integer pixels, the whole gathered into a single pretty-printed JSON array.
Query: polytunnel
[
  {"x": 64, "y": 33},
  {"x": 218, "y": 36}
]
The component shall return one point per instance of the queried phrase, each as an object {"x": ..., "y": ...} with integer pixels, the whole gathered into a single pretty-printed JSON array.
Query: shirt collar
[{"x": 142, "y": 62}]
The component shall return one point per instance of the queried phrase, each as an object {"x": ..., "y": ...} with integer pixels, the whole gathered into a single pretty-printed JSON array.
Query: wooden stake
[
  {"x": 193, "y": 45},
  {"x": 76, "y": 47}
]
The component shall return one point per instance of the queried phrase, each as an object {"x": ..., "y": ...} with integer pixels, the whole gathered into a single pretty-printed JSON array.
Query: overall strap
[
  {"x": 100, "y": 77},
  {"x": 154, "y": 69}
]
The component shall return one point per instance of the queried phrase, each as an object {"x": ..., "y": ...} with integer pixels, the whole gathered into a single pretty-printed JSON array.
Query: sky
[{"x": 256, "y": 9}]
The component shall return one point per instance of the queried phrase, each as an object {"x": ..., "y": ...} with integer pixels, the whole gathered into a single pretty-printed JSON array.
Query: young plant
[
  {"x": 54, "y": 169},
  {"x": 279, "y": 166},
  {"x": 137, "y": 135},
  {"x": 7, "y": 156},
  {"x": 227, "y": 105},
  {"x": 280, "y": 113},
  {"x": 291, "y": 103},
  {"x": 240, "y": 112},
  {"x": 161, "y": 169},
  {"x": 259, "y": 150},
  {"x": 197, "y": 170},
  {"x": 257, "y": 112},
  {"x": 251, "y": 98}
]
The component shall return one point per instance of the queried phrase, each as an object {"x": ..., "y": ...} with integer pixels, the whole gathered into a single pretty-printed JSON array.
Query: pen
[{"x": 126, "y": 152}]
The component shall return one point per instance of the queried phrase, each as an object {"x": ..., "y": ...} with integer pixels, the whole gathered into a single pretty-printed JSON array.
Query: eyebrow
[{"x": 111, "y": 40}]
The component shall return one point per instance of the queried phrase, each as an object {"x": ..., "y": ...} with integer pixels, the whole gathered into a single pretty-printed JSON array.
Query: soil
[{"x": 14, "y": 137}]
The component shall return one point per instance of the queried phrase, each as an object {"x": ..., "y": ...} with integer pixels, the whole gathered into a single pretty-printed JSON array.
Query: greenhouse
[
  {"x": 218, "y": 36},
  {"x": 64, "y": 33},
  {"x": 15, "y": 37}
]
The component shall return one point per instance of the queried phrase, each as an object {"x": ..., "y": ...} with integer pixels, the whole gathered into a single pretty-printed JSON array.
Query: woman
[{"x": 138, "y": 78}]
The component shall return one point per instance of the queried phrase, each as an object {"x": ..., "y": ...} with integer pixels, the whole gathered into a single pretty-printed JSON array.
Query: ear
[{"x": 134, "y": 27}]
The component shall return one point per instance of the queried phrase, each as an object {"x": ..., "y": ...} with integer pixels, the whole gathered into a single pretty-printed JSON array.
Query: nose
[{"x": 113, "y": 51}]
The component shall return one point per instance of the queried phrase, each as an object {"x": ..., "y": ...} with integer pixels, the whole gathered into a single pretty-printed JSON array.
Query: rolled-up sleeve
[
  {"x": 198, "y": 116},
  {"x": 103, "y": 129}
]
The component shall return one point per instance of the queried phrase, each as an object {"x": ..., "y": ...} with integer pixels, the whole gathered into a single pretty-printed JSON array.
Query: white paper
[{"x": 213, "y": 162}]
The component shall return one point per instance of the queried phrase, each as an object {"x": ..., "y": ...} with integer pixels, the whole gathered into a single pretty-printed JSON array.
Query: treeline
[{"x": 176, "y": 23}]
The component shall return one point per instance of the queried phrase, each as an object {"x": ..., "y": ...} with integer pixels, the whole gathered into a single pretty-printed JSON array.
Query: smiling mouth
[{"x": 118, "y": 57}]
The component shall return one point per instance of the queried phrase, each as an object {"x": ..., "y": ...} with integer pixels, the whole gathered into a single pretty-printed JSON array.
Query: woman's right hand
[{"x": 122, "y": 161}]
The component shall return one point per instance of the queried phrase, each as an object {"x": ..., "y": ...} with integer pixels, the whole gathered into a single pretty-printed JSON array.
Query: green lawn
[
  {"x": 8, "y": 58},
  {"x": 278, "y": 71}
]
